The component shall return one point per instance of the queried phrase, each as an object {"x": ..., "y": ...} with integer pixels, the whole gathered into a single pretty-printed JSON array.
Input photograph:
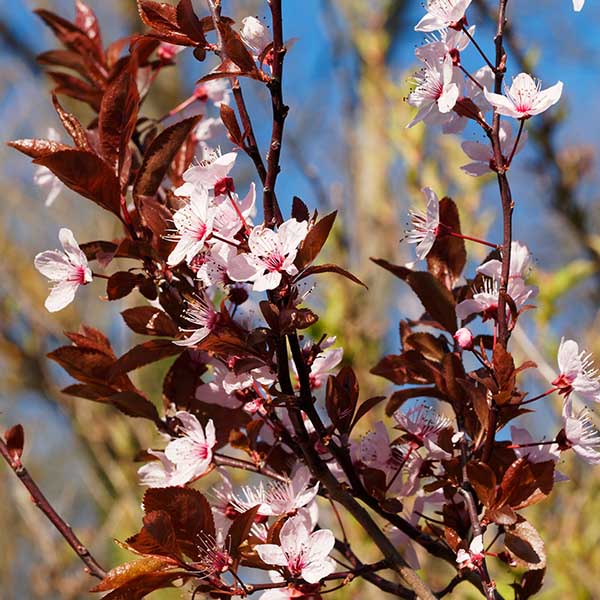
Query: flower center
[{"x": 274, "y": 262}]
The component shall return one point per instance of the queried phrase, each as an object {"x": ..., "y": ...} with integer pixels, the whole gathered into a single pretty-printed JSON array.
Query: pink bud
[{"x": 464, "y": 337}]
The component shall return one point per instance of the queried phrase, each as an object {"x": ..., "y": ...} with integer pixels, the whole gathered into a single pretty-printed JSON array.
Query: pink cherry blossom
[
  {"x": 214, "y": 265},
  {"x": 200, "y": 311},
  {"x": 255, "y": 35},
  {"x": 525, "y": 97},
  {"x": 520, "y": 263},
  {"x": 464, "y": 338},
  {"x": 425, "y": 225},
  {"x": 436, "y": 93},
  {"x": 167, "y": 51},
  {"x": 485, "y": 302},
  {"x": 158, "y": 473},
  {"x": 581, "y": 433},
  {"x": 472, "y": 558},
  {"x": 287, "y": 497},
  {"x": 533, "y": 453},
  {"x": 66, "y": 270},
  {"x": 324, "y": 365},
  {"x": 227, "y": 220},
  {"x": 212, "y": 174},
  {"x": 193, "y": 225},
  {"x": 45, "y": 178},
  {"x": 447, "y": 42},
  {"x": 442, "y": 13},
  {"x": 483, "y": 156},
  {"x": 271, "y": 254},
  {"x": 576, "y": 372},
  {"x": 423, "y": 425},
  {"x": 218, "y": 91},
  {"x": 304, "y": 554},
  {"x": 191, "y": 453}
]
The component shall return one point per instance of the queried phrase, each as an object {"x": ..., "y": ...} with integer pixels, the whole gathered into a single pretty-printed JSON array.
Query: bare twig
[{"x": 92, "y": 566}]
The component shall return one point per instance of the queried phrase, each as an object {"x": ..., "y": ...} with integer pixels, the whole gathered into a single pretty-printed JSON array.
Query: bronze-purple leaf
[{"x": 86, "y": 174}]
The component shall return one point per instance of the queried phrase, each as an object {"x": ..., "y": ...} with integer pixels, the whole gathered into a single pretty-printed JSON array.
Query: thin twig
[{"x": 92, "y": 566}]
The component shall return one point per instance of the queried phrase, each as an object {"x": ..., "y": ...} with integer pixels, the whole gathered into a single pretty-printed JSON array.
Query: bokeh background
[{"x": 345, "y": 147}]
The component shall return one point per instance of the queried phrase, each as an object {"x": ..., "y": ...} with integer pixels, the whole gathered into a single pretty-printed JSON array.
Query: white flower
[
  {"x": 520, "y": 263},
  {"x": 473, "y": 558},
  {"x": 486, "y": 301},
  {"x": 436, "y": 93},
  {"x": 423, "y": 425},
  {"x": 447, "y": 42},
  {"x": 214, "y": 264},
  {"x": 201, "y": 312},
  {"x": 578, "y": 5},
  {"x": 534, "y": 453},
  {"x": 216, "y": 90},
  {"x": 287, "y": 497},
  {"x": 324, "y": 365},
  {"x": 576, "y": 372},
  {"x": 66, "y": 270},
  {"x": 160, "y": 473},
  {"x": 191, "y": 453},
  {"x": 208, "y": 129},
  {"x": 271, "y": 253},
  {"x": 193, "y": 225},
  {"x": 482, "y": 155},
  {"x": 581, "y": 433},
  {"x": 212, "y": 174},
  {"x": 255, "y": 35},
  {"x": 442, "y": 13},
  {"x": 425, "y": 225},
  {"x": 525, "y": 97},
  {"x": 304, "y": 554},
  {"x": 45, "y": 178},
  {"x": 227, "y": 220}
]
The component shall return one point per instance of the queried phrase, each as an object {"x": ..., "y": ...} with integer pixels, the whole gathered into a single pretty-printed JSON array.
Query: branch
[
  {"x": 321, "y": 471},
  {"x": 92, "y": 567},
  {"x": 272, "y": 213}
]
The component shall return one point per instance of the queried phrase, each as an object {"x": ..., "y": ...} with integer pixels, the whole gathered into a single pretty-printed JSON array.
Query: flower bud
[{"x": 464, "y": 337}]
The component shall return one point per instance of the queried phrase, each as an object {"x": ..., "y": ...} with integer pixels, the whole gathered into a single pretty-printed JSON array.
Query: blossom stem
[
  {"x": 532, "y": 444},
  {"x": 225, "y": 240},
  {"x": 471, "y": 77},
  {"x": 239, "y": 213},
  {"x": 516, "y": 144},
  {"x": 478, "y": 47},
  {"x": 546, "y": 393},
  {"x": 473, "y": 239}
]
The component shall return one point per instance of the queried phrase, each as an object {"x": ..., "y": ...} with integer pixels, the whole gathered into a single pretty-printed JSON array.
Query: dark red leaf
[
  {"x": 240, "y": 529},
  {"x": 190, "y": 514},
  {"x": 144, "y": 354},
  {"x": 315, "y": 239},
  {"x": 329, "y": 268},
  {"x": 299, "y": 210},
  {"x": 483, "y": 480},
  {"x": 366, "y": 407},
  {"x": 72, "y": 126},
  {"x": 128, "y": 572},
  {"x": 86, "y": 20},
  {"x": 234, "y": 49},
  {"x": 122, "y": 283},
  {"x": 37, "y": 148},
  {"x": 182, "y": 380},
  {"x": 447, "y": 258},
  {"x": 437, "y": 300},
  {"x": 147, "y": 320},
  {"x": 189, "y": 23},
  {"x": 159, "y": 156},
  {"x": 157, "y": 536},
  {"x": 118, "y": 116},
  {"x": 86, "y": 174},
  {"x": 133, "y": 404},
  {"x": 231, "y": 124}
]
